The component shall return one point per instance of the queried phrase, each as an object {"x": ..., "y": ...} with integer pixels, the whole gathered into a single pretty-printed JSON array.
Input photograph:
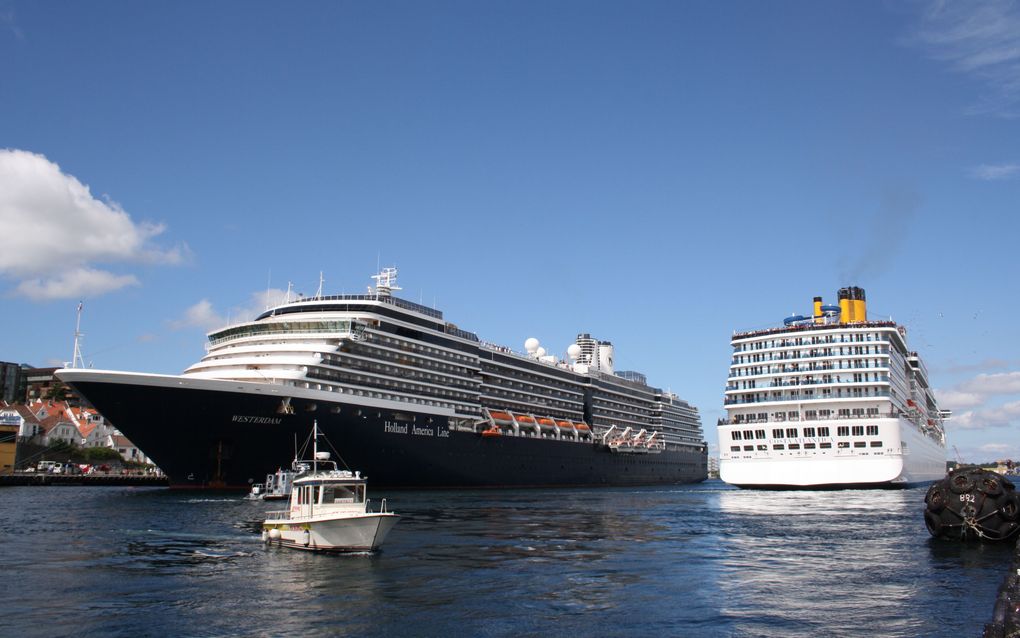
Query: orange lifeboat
[
  {"x": 526, "y": 420},
  {"x": 546, "y": 422},
  {"x": 503, "y": 418},
  {"x": 493, "y": 431},
  {"x": 583, "y": 427}
]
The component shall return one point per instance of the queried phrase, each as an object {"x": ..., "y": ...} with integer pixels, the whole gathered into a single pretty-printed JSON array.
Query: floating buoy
[
  {"x": 306, "y": 538},
  {"x": 274, "y": 534},
  {"x": 972, "y": 504}
]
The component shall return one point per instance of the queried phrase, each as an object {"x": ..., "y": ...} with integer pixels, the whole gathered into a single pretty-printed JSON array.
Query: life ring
[
  {"x": 961, "y": 483},
  {"x": 935, "y": 499}
]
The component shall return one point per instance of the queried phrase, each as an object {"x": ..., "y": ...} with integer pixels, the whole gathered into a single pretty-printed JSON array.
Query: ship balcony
[
  {"x": 839, "y": 384},
  {"x": 793, "y": 398}
]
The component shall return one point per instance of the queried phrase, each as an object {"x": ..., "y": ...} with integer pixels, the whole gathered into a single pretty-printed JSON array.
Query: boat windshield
[{"x": 342, "y": 494}]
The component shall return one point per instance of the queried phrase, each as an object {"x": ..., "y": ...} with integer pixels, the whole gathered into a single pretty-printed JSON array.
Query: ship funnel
[
  {"x": 852, "y": 305},
  {"x": 859, "y": 304},
  {"x": 845, "y": 306},
  {"x": 818, "y": 310}
]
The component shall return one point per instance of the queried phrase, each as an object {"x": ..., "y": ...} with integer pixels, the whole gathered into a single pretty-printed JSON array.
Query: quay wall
[
  {"x": 79, "y": 480},
  {"x": 1006, "y": 613}
]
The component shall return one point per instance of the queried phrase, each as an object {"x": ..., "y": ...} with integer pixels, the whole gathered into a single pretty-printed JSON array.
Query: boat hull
[
  {"x": 914, "y": 459},
  {"x": 362, "y": 533},
  {"x": 222, "y": 434}
]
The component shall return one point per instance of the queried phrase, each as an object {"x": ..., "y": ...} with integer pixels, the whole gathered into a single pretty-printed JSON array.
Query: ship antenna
[
  {"x": 318, "y": 294},
  {"x": 386, "y": 282},
  {"x": 76, "y": 358}
]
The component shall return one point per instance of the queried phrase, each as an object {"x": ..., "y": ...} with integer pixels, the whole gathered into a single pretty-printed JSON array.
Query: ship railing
[
  {"x": 803, "y": 397},
  {"x": 813, "y": 326},
  {"x": 277, "y": 515},
  {"x": 832, "y": 417}
]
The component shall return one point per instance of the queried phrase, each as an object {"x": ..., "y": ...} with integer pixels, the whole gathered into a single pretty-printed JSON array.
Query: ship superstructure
[
  {"x": 830, "y": 400},
  {"x": 409, "y": 397}
]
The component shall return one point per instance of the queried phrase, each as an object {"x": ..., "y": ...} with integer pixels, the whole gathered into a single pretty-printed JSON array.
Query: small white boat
[
  {"x": 328, "y": 511},
  {"x": 257, "y": 492}
]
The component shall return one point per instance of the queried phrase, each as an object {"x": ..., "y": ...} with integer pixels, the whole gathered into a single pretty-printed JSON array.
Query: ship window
[
  {"x": 759, "y": 434},
  {"x": 777, "y": 434},
  {"x": 843, "y": 444},
  {"x": 809, "y": 446},
  {"x": 843, "y": 430},
  {"x": 872, "y": 430},
  {"x": 823, "y": 431},
  {"x": 762, "y": 448},
  {"x": 778, "y": 446},
  {"x": 734, "y": 448},
  {"x": 737, "y": 435},
  {"x": 876, "y": 444},
  {"x": 809, "y": 432},
  {"x": 858, "y": 430},
  {"x": 860, "y": 444},
  {"x": 795, "y": 446},
  {"x": 791, "y": 433},
  {"x": 825, "y": 446},
  {"x": 749, "y": 448}
]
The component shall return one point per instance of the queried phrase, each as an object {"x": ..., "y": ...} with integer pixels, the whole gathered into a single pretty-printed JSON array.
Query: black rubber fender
[
  {"x": 933, "y": 523},
  {"x": 935, "y": 499},
  {"x": 960, "y": 483},
  {"x": 1010, "y": 508},
  {"x": 990, "y": 485}
]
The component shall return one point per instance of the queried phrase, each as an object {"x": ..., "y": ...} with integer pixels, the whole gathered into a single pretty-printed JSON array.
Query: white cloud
[
  {"x": 955, "y": 400},
  {"x": 81, "y": 282},
  {"x": 980, "y": 39},
  {"x": 203, "y": 315},
  {"x": 990, "y": 172},
  {"x": 989, "y": 384},
  {"x": 997, "y": 448},
  {"x": 978, "y": 396},
  {"x": 1001, "y": 416},
  {"x": 54, "y": 232}
]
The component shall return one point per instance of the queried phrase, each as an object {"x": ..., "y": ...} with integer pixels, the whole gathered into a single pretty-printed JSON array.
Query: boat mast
[{"x": 76, "y": 358}]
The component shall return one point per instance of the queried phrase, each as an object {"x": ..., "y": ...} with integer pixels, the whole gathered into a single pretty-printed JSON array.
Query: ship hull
[
  {"x": 915, "y": 459},
  {"x": 223, "y": 434}
]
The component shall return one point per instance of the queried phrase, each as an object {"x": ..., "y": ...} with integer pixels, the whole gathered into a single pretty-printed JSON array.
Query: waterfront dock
[
  {"x": 42, "y": 478},
  {"x": 1006, "y": 613}
]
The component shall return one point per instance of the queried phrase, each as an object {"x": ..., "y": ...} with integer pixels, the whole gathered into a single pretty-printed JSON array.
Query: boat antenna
[
  {"x": 318, "y": 293},
  {"x": 315, "y": 446},
  {"x": 76, "y": 358}
]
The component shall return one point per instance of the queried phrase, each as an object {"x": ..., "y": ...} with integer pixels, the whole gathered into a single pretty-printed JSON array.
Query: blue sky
[{"x": 658, "y": 174}]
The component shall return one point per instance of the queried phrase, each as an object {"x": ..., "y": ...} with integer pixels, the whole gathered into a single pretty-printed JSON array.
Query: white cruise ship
[{"x": 830, "y": 400}]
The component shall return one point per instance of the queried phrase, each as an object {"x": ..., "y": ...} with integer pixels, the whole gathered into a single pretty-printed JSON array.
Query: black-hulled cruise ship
[{"x": 404, "y": 396}]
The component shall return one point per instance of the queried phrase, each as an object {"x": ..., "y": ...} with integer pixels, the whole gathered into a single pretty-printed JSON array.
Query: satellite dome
[
  {"x": 531, "y": 345},
  {"x": 573, "y": 351},
  {"x": 540, "y": 352}
]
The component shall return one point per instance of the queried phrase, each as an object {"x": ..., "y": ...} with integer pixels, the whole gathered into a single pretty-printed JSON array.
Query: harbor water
[{"x": 702, "y": 560}]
